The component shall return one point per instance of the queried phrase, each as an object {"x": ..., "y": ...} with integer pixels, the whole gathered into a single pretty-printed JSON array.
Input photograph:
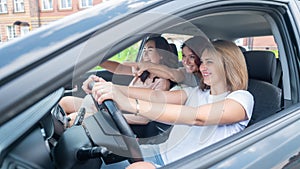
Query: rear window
[
  {"x": 177, "y": 40},
  {"x": 258, "y": 43}
]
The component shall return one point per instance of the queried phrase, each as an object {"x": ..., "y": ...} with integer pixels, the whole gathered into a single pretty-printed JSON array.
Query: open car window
[{"x": 129, "y": 54}]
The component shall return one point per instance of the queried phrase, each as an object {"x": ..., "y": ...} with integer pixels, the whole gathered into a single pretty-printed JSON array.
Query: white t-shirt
[
  {"x": 190, "y": 80},
  {"x": 186, "y": 139}
]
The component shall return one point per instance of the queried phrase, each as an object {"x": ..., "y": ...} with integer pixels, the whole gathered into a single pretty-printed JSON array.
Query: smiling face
[
  {"x": 189, "y": 60},
  {"x": 210, "y": 70},
  {"x": 150, "y": 53}
]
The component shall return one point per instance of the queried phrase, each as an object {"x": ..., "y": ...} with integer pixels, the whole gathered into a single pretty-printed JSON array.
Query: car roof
[{"x": 228, "y": 25}]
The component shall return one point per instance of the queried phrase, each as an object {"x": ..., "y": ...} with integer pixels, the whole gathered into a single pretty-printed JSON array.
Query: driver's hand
[
  {"x": 85, "y": 85},
  {"x": 103, "y": 90}
]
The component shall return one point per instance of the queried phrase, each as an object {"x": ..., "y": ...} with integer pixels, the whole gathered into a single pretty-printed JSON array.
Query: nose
[
  {"x": 187, "y": 61},
  {"x": 184, "y": 60},
  {"x": 202, "y": 67},
  {"x": 145, "y": 53}
]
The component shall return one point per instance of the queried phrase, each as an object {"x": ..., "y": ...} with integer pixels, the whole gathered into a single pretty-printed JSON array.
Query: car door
[{"x": 273, "y": 142}]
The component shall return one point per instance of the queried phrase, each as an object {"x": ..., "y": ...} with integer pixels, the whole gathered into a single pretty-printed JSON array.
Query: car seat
[
  {"x": 261, "y": 67},
  {"x": 242, "y": 49}
]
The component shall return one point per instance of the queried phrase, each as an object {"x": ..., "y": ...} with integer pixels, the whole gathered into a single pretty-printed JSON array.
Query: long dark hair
[{"x": 164, "y": 50}]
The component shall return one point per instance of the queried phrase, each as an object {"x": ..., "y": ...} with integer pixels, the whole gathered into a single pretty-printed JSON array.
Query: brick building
[
  {"x": 260, "y": 43},
  {"x": 17, "y": 17}
]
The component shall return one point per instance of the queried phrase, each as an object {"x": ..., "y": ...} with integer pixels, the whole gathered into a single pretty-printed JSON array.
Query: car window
[
  {"x": 258, "y": 43},
  {"x": 177, "y": 40},
  {"x": 127, "y": 55}
]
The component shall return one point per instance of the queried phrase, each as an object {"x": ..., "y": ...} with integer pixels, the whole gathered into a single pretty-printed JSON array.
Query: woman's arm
[
  {"x": 223, "y": 112},
  {"x": 173, "y": 97},
  {"x": 133, "y": 119},
  {"x": 159, "y": 70},
  {"x": 158, "y": 106},
  {"x": 116, "y": 67},
  {"x": 162, "y": 84}
]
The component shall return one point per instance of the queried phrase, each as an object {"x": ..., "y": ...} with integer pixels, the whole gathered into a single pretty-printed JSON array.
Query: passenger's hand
[
  {"x": 103, "y": 90},
  {"x": 134, "y": 67},
  {"x": 138, "y": 67},
  {"x": 85, "y": 85}
]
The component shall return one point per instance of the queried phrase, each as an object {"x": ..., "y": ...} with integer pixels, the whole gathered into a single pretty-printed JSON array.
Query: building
[
  {"x": 18, "y": 17},
  {"x": 260, "y": 43}
]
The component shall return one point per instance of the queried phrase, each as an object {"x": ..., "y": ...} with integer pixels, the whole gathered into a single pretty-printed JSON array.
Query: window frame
[
  {"x": 48, "y": 6},
  {"x": 86, "y": 2},
  {"x": 10, "y": 32},
  {"x": 19, "y": 6},
  {"x": 3, "y": 6},
  {"x": 68, "y": 4}
]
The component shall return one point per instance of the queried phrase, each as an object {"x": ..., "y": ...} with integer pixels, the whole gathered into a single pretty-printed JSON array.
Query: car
[{"x": 37, "y": 70}]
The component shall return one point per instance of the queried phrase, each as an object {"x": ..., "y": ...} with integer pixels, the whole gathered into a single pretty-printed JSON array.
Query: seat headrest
[
  {"x": 261, "y": 65},
  {"x": 174, "y": 58},
  {"x": 174, "y": 49},
  {"x": 242, "y": 49}
]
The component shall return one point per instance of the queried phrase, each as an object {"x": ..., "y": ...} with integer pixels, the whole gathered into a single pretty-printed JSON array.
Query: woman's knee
[
  {"x": 70, "y": 104},
  {"x": 141, "y": 165}
]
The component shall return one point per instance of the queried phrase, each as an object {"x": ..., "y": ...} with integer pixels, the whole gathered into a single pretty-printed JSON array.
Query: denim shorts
[{"x": 152, "y": 154}]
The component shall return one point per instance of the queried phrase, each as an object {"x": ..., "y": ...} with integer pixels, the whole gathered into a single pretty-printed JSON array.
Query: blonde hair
[{"x": 234, "y": 65}]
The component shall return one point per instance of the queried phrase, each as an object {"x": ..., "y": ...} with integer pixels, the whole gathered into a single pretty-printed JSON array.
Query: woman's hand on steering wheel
[
  {"x": 85, "y": 85},
  {"x": 103, "y": 90},
  {"x": 103, "y": 93}
]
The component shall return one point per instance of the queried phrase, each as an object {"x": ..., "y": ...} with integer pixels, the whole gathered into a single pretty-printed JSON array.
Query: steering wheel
[{"x": 121, "y": 123}]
